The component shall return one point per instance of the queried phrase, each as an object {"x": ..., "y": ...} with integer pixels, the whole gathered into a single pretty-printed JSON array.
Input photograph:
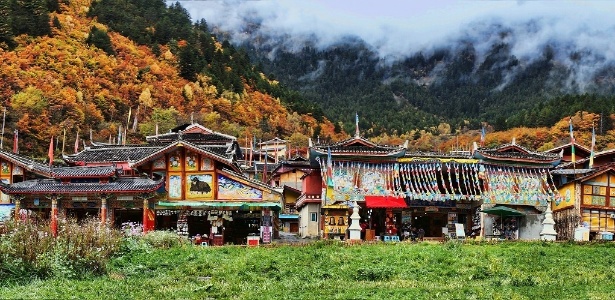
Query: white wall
[
  {"x": 307, "y": 227},
  {"x": 530, "y": 226}
]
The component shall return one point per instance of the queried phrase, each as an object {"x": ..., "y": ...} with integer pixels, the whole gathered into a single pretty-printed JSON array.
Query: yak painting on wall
[
  {"x": 200, "y": 186},
  {"x": 229, "y": 189}
]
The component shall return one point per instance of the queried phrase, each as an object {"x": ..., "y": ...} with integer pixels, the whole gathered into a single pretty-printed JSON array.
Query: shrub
[
  {"x": 28, "y": 250},
  {"x": 164, "y": 239}
]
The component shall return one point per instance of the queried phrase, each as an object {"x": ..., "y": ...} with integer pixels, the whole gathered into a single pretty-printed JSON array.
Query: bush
[
  {"x": 164, "y": 239},
  {"x": 28, "y": 250}
]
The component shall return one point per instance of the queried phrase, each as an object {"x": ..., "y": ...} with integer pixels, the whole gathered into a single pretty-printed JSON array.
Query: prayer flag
[
  {"x": 51, "y": 152},
  {"x": 572, "y": 141},
  {"x": 357, "y": 124},
  {"x": 77, "y": 141},
  {"x": 591, "y": 155},
  {"x": 16, "y": 142},
  {"x": 329, "y": 168}
]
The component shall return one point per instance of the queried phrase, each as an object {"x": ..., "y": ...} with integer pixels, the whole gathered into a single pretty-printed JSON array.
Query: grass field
[{"x": 325, "y": 270}]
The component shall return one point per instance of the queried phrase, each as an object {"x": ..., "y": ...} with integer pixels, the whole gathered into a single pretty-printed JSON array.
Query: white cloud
[{"x": 402, "y": 27}]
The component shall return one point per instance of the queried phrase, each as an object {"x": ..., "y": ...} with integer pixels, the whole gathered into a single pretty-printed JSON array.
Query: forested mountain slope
[{"x": 97, "y": 66}]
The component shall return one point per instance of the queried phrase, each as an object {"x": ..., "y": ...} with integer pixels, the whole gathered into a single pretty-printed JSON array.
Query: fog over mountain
[
  {"x": 578, "y": 32},
  {"x": 412, "y": 65}
]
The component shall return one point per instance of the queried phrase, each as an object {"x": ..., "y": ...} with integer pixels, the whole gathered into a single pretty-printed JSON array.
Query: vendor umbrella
[{"x": 503, "y": 211}]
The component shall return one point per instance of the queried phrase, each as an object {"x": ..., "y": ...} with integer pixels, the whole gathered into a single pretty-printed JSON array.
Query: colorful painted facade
[
  {"x": 186, "y": 180},
  {"x": 587, "y": 196},
  {"x": 401, "y": 193}
]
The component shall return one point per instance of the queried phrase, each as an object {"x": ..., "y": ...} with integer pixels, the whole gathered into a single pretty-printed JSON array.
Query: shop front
[
  {"x": 219, "y": 223},
  {"x": 335, "y": 218}
]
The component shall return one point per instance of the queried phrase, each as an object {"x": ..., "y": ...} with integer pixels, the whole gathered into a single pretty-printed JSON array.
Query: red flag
[
  {"x": 16, "y": 142},
  {"x": 51, "y": 151},
  {"x": 77, "y": 142}
]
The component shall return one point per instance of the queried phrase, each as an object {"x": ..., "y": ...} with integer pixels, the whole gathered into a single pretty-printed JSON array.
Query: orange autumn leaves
[{"x": 59, "y": 82}]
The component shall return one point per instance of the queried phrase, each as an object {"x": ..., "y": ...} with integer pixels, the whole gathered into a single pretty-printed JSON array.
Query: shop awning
[
  {"x": 242, "y": 205},
  {"x": 289, "y": 216},
  {"x": 385, "y": 202}
]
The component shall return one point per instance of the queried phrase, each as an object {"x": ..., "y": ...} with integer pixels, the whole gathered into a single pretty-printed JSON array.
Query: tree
[
  {"x": 101, "y": 40},
  {"x": 6, "y": 25}
]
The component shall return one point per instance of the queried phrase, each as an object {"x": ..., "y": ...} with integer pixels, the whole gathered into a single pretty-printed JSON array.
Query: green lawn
[{"x": 335, "y": 271}]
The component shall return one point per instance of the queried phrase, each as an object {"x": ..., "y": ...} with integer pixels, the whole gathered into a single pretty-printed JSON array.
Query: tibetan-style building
[
  {"x": 402, "y": 194},
  {"x": 187, "y": 180},
  {"x": 587, "y": 196}
]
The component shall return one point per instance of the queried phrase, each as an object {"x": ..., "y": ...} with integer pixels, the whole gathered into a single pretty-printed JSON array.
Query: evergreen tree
[
  {"x": 101, "y": 40},
  {"x": 6, "y": 26}
]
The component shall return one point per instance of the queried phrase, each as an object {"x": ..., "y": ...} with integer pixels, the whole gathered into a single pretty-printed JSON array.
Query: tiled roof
[
  {"x": 113, "y": 154},
  {"x": 571, "y": 171},
  {"x": 191, "y": 137},
  {"x": 568, "y": 145},
  {"x": 273, "y": 141},
  {"x": 218, "y": 152},
  {"x": 71, "y": 172},
  {"x": 260, "y": 167},
  {"x": 55, "y": 186},
  {"x": 519, "y": 153},
  {"x": 26, "y": 163}
]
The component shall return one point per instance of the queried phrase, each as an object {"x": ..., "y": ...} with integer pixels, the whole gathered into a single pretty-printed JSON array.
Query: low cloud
[{"x": 579, "y": 32}]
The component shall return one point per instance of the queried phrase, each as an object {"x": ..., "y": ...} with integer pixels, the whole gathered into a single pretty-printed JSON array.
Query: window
[
  {"x": 594, "y": 195},
  {"x": 313, "y": 217},
  {"x": 599, "y": 220}
]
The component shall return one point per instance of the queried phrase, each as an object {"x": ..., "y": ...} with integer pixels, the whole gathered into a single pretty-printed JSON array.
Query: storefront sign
[
  {"x": 431, "y": 208},
  {"x": 266, "y": 234}
]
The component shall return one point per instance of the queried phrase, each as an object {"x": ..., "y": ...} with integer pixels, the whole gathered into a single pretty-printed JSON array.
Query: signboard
[
  {"x": 459, "y": 230},
  {"x": 431, "y": 208},
  {"x": 266, "y": 234}
]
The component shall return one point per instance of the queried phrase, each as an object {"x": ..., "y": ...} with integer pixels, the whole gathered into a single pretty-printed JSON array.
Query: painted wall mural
[
  {"x": 175, "y": 186},
  {"x": 159, "y": 164},
  {"x": 191, "y": 161},
  {"x": 4, "y": 198},
  {"x": 175, "y": 161},
  {"x": 5, "y": 167},
  {"x": 508, "y": 185},
  {"x": 566, "y": 198},
  {"x": 229, "y": 189},
  {"x": 200, "y": 186},
  {"x": 206, "y": 164}
]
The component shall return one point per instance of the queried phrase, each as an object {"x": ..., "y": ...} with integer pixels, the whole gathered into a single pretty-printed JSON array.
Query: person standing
[{"x": 421, "y": 233}]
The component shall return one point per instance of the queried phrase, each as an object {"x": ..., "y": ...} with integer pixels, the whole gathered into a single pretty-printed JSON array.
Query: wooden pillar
[
  {"x": 148, "y": 217},
  {"x": 54, "y": 216},
  {"x": 17, "y": 208},
  {"x": 103, "y": 210}
]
